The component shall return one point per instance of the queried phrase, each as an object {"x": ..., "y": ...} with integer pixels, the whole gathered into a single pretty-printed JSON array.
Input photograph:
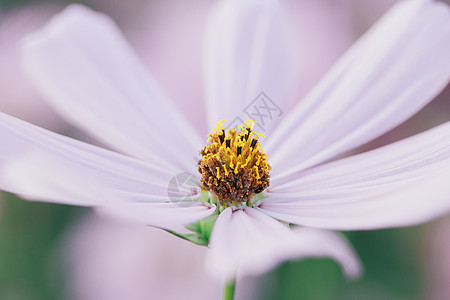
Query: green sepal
[
  {"x": 194, "y": 238},
  {"x": 202, "y": 231}
]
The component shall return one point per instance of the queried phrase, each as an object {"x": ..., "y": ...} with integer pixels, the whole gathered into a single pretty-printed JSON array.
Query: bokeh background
[{"x": 50, "y": 251}]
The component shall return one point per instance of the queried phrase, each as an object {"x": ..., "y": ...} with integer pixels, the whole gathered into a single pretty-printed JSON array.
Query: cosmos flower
[{"x": 247, "y": 184}]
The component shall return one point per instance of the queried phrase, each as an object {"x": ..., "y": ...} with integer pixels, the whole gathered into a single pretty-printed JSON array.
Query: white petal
[
  {"x": 46, "y": 166},
  {"x": 395, "y": 69},
  {"x": 375, "y": 204},
  {"x": 248, "y": 242},
  {"x": 247, "y": 52},
  {"x": 89, "y": 73}
]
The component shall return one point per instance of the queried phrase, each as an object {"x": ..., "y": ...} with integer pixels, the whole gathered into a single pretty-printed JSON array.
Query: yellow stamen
[{"x": 245, "y": 169}]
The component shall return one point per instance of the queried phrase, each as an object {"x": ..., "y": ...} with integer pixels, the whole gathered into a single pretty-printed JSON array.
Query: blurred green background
[{"x": 30, "y": 233}]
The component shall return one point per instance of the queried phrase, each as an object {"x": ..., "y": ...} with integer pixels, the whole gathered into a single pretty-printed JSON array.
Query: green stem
[{"x": 228, "y": 292}]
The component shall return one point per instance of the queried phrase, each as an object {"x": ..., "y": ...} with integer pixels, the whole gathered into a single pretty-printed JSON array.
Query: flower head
[
  {"x": 389, "y": 74},
  {"x": 233, "y": 166}
]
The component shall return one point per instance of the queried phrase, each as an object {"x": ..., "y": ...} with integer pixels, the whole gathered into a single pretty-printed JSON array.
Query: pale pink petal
[
  {"x": 396, "y": 185},
  {"x": 89, "y": 73},
  {"x": 47, "y": 166},
  {"x": 395, "y": 69},
  {"x": 374, "y": 170},
  {"x": 416, "y": 201},
  {"x": 248, "y": 242},
  {"x": 65, "y": 183},
  {"x": 161, "y": 215},
  {"x": 247, "y": 52},
  {"x": 41, "y": 177}
]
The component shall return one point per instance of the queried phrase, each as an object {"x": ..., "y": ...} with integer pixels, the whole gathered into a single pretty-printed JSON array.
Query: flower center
[{"x": 233, "y": 166}]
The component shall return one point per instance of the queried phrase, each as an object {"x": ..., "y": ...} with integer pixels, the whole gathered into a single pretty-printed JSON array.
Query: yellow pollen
[
  {"x": 226, "y": 171},
  {"x": 233, "y": 165}
]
